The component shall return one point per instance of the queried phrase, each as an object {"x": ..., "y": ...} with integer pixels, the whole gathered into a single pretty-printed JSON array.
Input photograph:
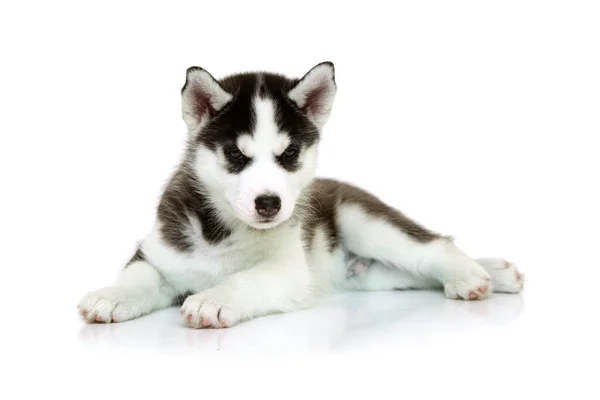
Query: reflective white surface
[
  {"x": 541, "y": 342},
  {"x": 347, "y": 322}
]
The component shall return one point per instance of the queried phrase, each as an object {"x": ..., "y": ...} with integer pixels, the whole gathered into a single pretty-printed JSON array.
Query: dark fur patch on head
[
  {"x": 262, "y": 89},
  {"x": 288, "y": 116},
  {"x": 238, "y": 116},
  {"x": 183, "y": 199},
  {"x": 327, "y": 194}
]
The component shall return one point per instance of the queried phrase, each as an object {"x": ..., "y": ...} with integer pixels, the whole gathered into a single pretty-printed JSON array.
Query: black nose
[{"x": 267, "y": 206}]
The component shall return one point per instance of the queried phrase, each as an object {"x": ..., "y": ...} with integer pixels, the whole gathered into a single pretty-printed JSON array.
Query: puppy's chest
[
  {"x": 231, "y": 255},
  {"x": 208, "y": 264},
  {"x": 213, "y": 262}
]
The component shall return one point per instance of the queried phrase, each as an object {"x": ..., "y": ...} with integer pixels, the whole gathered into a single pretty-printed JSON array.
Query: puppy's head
[{"x": 253, "y": 138}]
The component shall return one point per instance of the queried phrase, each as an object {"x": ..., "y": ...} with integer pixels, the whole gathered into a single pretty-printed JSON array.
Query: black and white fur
[{"x": 244, "y": 229}]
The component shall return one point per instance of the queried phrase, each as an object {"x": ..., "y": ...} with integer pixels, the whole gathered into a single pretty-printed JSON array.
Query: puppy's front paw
[
  {"x": 208, "y": 310},
  {"x": 470, "y": 287},
  {"x": 111, "y": 304}
]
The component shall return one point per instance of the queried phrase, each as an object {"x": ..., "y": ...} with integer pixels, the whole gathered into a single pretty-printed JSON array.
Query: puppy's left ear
[
  {"x": 315, "y": 92},
  {"x": 201, "y": 97}
]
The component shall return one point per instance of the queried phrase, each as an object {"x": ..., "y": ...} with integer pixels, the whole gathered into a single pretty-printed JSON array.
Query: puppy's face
[{"x": 255, "y": 137}]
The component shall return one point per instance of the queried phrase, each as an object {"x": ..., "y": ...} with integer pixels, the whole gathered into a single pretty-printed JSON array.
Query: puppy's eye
[
  {"x": 291, "y": 151},
  {"x": 235, "y": 153}
]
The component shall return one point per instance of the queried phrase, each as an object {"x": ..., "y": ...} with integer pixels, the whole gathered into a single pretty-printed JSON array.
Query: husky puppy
[{"x": 244, "y": 229}]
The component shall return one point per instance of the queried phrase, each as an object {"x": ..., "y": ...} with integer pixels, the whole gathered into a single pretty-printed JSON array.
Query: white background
[{"x": 479, "y": 119}]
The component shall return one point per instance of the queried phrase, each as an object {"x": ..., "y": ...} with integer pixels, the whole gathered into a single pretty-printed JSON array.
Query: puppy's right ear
[{"x": 201, "y": 97}]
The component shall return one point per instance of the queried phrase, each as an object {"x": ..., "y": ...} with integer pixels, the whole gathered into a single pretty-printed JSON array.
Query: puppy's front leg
[
  {"x": 139, "y": 290},
  {"x": 278, "y": 284}
]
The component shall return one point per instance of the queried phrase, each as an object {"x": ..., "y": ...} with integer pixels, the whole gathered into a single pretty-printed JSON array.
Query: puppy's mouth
[{"x": 266, "y": 222}]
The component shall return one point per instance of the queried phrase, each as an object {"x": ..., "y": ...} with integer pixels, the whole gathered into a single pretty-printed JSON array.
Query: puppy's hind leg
[
  {"x": 372, "y": 229},
  {"x": 436, "y": 259},
  {"x": 372, "y": 275},
  {"x": 139, "y": 290}
]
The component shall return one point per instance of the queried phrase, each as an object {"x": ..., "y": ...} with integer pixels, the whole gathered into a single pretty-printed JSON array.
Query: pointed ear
[
  {"x": 201, "y": 97},
  {"x": 315, "y": 92}
]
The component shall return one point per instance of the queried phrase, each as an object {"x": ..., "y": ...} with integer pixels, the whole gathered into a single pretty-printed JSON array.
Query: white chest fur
[{"x": 208, "y": 264}]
